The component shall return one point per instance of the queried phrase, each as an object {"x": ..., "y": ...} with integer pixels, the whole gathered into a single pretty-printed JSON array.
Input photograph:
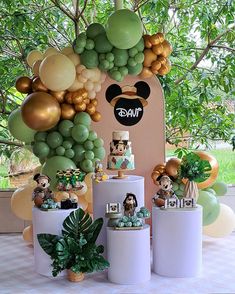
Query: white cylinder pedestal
[
  {"x": 49, "y": 222},
  {"x": 114, "y": 190},
  {"x": 177, "y": 242},
  {"x": 128, "y": 252}
]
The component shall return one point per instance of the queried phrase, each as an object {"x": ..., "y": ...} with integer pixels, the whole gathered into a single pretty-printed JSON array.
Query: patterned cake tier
[{"x": 121, "y": 162}]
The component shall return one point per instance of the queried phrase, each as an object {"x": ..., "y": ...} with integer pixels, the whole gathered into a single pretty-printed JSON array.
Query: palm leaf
[{"x": 93, "y": 231}]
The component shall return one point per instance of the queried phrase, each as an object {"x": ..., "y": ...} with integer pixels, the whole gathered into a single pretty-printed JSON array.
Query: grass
[{"x": 226, "y": 160}]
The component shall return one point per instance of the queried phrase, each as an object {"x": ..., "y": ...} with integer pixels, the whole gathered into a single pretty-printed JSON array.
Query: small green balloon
[
  {"x": 220, "y": 188},
  {"x": 94, "y": 30},
  {"x": 102, "y": 56},
  {"x": 132, "y": 52},
  {"x": 123, "y": 70},
  {"x": 18, "y": 129},
  {"x": 99, "y": 152},
  {"x": 69, "y": 153},
  {"x": 89, "y": 155},
  {"x": 139, "y": 57},
  {"x": 82, "y": 118},
  {"x": 65, "y": 127},
  {"x": 90, "y": 44},
  {"x": 104, "y": 64},
  {"x": 211, "y": 207},
  {"x": 132, "y": 62},
  {"x": 89, "y": 58},
  {"x": 87, "y": 166},
  {"x": 40, "y": 137},
  {"x": 80, "y": 133},
  {"x": 41, "y": 149},
  {"x": 88, "y": 145},
  {"x": 116, "y": 75},
  {"x": 82, "y": 37},
  {"x": 54, "y": 139},
  {"x": 67, "y": 144},
  {"x": 98, "y": 142},
  {"x": 55, "y": 163},
  {"x": 140, "y": 45},
  {"x": 135, "y": 70},
  {"x": 120, "y": 56},
  {"x": 109, "y": 56},
  {"x": 51, "y": 153},
  {"x": 92, "y": 135},
  {"x": 79, "y": 153},
  {"x": 60, "y": 150},
  {"x": 182, "y": 187},
  {"x": 102, "y": 44}
]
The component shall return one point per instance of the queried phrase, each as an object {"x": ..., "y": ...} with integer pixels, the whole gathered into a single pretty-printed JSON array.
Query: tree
[{"x": 198, "y": 90}]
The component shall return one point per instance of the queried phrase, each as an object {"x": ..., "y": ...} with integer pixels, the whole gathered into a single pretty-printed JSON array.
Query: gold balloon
[
  {"x": 163, "y": 70},
  {"x": 69, "y": 98},
  {"x": 67, "y": 111},
  {"x": 80, "y": 107},
  {"x": 172, "y": 166},
  {"x": 158, "y": 170},
  {"x": 90, "y": 208},
  {"x": 94, "y": 101},
  {"x": 161, "y": 37},
  {"x": 167, "y": 49},
  {"x": 149, "y": 57},
  {"x": 96, "y": 116},
  {"x": 156, "y": 65},
  {"x": 90, "y": 109},
  {"x": 21, "y": 202},
  {"x": 154, "y": 176},
  {"x": 162, "y": 59},
  {"x": 23, "y": 85},
  {"x": 87, "y": 100},
  {"x": 77, "y": 98},
  {"x": 146, "y": 73},
  {"x": 154, "y": 39},
  {"x": 37, "y": 85},
  {"x": 74, "y": 58},
  {"x": 59, "y": 95},
  {"x": 40, "y": 111},
  {"x": 82, "y": 202},
  {"x": 157, "y": 49},
  {"x": 83, "y": 92},
  {"x": 28, "y": 234},
  {"x": 147, "y": 43}
]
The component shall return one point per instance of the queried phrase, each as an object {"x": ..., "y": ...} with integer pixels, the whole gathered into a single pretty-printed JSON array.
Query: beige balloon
[
  {"x": 35, "y": 67},
  {"x": 75, "y": 86},
  {"x": 60, "y": 195},
  {"x": 33, "y": 56},
  {"x": 81, "y": 191},
  {"x": 223, "y": 225},
  {"x": 67, "y": 50},
  {"x": 50, "y": 51},
  {"x": 28, "y": 234},
  {"x": 82, "y": 202},
  {"x": 73, "y": 197},
  {"x": 21, "y": 202},
  {"x": 88, "y": 195},
  {"x": 57, "y": 72},
  {"x": 90, "y": 208},
  {"x": 74, "y": 58}
]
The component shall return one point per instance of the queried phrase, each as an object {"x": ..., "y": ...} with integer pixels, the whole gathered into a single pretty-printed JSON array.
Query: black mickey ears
[
  {"x": 112, "y": 91},
  {"x": 143, "y": 89}
]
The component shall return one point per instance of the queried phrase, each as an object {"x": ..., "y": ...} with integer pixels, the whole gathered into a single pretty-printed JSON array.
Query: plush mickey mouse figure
[
  {"x": 128, "y": 101},
  {"x": 130, "y": 203},
  {"x": 165, "y": 192},
  {"x": 42, "y": 191}
]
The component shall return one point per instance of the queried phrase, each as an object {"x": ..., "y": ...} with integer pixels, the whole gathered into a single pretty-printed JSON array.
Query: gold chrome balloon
[
  {"x": 146, "y": 73},
  {"x": 59, "y": 95},
  {"x": 147, "y": 43},
  {"x": 154, "y": 39},
  {"x": 157, "y": 49},
  {"x": 96, "y": 116},
  {"x": 23, "y": 85},
  {"x": 172, "y": 167},
  {"x": 94, "y": 101},
  {"x": 90, "y": 109},
  {"x": 67, "y": 111},
  {"x": 167, "y": 49},
  {"x": 37, "y": 85},
  {"x": 40, "y": 111},
  {"x": 149, "y": 57},
  {"x": 80, "y": 107},
  {"x": 77, "y": 98}
]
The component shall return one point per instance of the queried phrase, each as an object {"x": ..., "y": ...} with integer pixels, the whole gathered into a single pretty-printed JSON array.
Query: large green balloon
[
  {"x": 55, "y": 163},
  {"x": 65, "y": 127},
  {"x": 54, "y": 139},
  {"x": 82, "y": 118},
  {"x": 40, "y": 136},
  {"x": 41, "y": 149},
  {"x": 94, "y": 30},
  {"x": 124, "y": 29},
  {"x": 99, "y": 152},
  {"x": 220, "y": 188},
  {"x": 89, "y": 58},
  {"x": 18, "y": 129},
  {"x": 211, "y": 207},
  {"x": 102, "y": 44},
  {"x": 80, "y": 133}
]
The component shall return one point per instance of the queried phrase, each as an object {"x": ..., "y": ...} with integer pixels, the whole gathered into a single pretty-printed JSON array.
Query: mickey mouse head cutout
[{"x": 128, "y": 101}]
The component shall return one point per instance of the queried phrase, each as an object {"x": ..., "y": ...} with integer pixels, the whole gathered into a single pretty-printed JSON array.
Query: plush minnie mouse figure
[{"x": 42, "y": 191}]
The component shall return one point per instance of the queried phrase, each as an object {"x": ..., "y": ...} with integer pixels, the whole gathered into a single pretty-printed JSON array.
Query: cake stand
[{"x": 120, "y": 174}]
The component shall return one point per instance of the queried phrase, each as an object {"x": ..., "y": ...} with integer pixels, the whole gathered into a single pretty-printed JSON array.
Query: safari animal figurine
[
  {"x": 99, "y": 175},
  {"x": 165, "y": 192},
  {"x": 130, "y": 203},
  {"x": 42, "y": 191}
]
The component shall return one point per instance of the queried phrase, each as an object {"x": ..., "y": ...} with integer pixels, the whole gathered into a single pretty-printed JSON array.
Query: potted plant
[
  {"x": 76, "y": 249},
  {"x": 193, "y": 169}
]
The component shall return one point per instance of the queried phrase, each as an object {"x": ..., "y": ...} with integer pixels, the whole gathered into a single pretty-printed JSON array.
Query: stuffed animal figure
[
  {"x": 130, "y": 203},
  {"x": 99, "y": 175},
  {"x": 42, "y": 191},
  {"x": 165, "y": 192}
]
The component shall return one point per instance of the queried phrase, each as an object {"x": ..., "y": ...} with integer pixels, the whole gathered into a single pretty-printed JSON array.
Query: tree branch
[
  {"x": 68, "y": 13},
  {"x": 223, "y": 47},
  {"x": 7, "y": 142}
]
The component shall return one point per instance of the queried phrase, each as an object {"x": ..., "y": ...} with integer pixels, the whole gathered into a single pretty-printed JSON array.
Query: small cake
[{"x": 120, "y": 157}]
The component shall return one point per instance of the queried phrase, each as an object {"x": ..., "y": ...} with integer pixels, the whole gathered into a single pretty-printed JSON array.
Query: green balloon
[
  {"x": 89, "y": 155},
  {"x": 88, "y": 145},
  {"x": 220, "y": 188},
  {"x": 51, "y": 153},
  {"x": 55, "y": 163},
  {"x": 132, "y": 52},
  {"x": 102, "y": 44},
  {"x": 210, "y": 190},
  {"x": 18, "y": 129},
  {"x": 98, "y": 142},
  {"x": 65, "y": 127},
  {"x": 135, "y": 70},
  {"x": 99, "y": 152},
  {"x": 140, "y": 45},
  {"x": 67, "y": 144},
  {"x": 175, "y": 186},
  {"x": 41, "y": 149},
  {"x": 94, "y": 30},
  {"x": 139, "y": 57},
  {"x": 82, "y": 118},
  {"x": 90, "y": 44},
  {"x": 124, "y": 29},
  {"x": 54, "y": 139},
  {"x": 79, "y": 153},
  {"x": 211, "y": 207},
  {"x": 92, "y": 135},
  {"x": 109, "y": 56},
  {"x": 116, "y": 75},
  {"x": 80, "y": 133},
  {"x": 40, "y": 137},
  {"x": 120, "y": 56},
  {"x": 60, "y": 150},
  {"x": 89, "y": 58},
  {"x": 87, "y": 166},
  {"x": 123, "y": 70},
  {"x": 69, "y": 153}
]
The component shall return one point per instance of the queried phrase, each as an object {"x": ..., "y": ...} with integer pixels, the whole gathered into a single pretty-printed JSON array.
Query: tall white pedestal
[
  {"x": 114, "y": 190},
  {"x": 49, "y": 222},
  {"x": 128, "y": 253},
  {"x": 177, "y": 242}
]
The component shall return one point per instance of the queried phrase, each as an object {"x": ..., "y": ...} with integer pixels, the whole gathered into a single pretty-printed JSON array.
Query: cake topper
[{"x": 99, "y": 174}]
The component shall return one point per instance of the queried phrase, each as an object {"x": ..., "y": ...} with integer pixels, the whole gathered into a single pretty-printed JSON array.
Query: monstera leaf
[{"x": 48, "y": 242}]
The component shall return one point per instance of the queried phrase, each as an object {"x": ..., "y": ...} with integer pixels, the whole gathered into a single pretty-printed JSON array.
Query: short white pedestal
[
  {"x": 114, "y": 190},
  {"x": 129, "y": 256},
  {"x": 177, "y": 242},
  {"x": 49, "y": 222}
]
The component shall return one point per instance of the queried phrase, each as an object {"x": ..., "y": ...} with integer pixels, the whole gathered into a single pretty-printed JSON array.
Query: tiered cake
[{"x": 121, "y": 157}]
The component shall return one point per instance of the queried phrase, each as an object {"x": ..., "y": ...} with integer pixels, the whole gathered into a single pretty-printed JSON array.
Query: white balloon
[
  {"x": 67, "y": 50},
  {"x": 96, "y": 75},
  {"x": 33, "y": 56},
  {"x": 50, "y": 51},
  {"x": 35, "y": 68},
  {"x": 103, "y": 77},
  {"x": 74, "y": 58},
  {"x": 97, "y": 87},
  {"x": 80, "y": 68},
  {"x": 91, "y": 94},
  {"x": 75, "y": 86},
  {"x": 86, "y": 73},
  {"x": 89, "y": 85},
  {"x": 81, "y": 79}
]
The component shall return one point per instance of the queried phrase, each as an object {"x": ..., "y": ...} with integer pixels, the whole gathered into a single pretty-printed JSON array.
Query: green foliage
[
  {"x": 195, "y": 169},
  {"x": 76, "y": 248}
]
